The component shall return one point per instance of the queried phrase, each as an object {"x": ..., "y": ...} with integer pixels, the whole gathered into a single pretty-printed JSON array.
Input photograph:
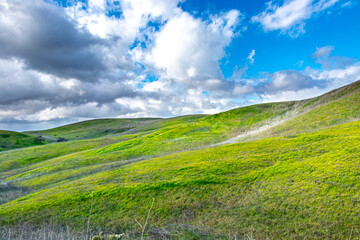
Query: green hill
[
  {"x": 337, "y": 107},
  {"x": 93, "y": 128},
  {"x": 292, "y": 173},
  {"x": 10, "y": 140}
]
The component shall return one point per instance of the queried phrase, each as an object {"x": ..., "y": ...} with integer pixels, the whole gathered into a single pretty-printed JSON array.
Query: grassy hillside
[
  {"x": 294, "y": 174},
  {"x": 184, "y": 133},
  {"x": 93, "y": 128},
  {"x": 10, "y": 140},
  {"x": 337, "y": 107},
  {"x": 335, "y": 94},
  {"x": 252, "y": 187}
]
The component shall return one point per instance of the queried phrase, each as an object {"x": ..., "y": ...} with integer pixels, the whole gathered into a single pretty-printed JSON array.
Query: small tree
[{"x": 39, "y": 139}]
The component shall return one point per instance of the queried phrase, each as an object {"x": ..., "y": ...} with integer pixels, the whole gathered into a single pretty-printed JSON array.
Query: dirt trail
[
  {"x": 265, "y": 126},
  {"x": 252, "y": 132}
]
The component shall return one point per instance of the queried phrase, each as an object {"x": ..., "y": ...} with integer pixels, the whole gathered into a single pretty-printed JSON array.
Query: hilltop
[
  {"x": 275, "y": 170},
  {"x": 93, "y": 128}
]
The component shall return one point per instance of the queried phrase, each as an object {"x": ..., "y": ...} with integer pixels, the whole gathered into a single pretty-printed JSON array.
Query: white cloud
[
  {"x": 251, "y": 56},
  {"x": 322, "y": 56},
  {"x": 348, "y": 4},
  {"x": 289, "y": 85},
  {"x": 19, "y": 84},
  {"x": 291, "y": 16},
  {"x": 188, "y": 48},
  {"x": 99, "y": 4},
  {"x": 307, "y": 84},
  {"x": 135, "y": 16},
  {"x": 293, "y": 95},
  {"x": 242, "y": 89},
  {"x": 330, "y": 79},
  {"x": 180, "y": 50},
  {"x": 338, "y": 77},
  {"x": 322, "y": 52},
  {"x": 290, "y": 80}
]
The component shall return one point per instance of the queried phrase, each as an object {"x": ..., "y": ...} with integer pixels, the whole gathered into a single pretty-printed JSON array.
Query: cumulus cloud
[
  {"x": 135, "y": 15},
  {"x": 295, "y": 85},
  {"x": 188, "y": 48},
  {"x": 181, "y": 48},
  {"x": 47, "y": 40},
  {"x": 33, "y": 90},
  {"x": 291, "y": 80},
  {"x": 93, "y": 60},
  {"x": 291, "y": 16},
  {"x": 20, "y": 85},
  {"x": 339, "y": 76},
  {"x": 319, "y": 82},
  {"x": 138, "y": 58},
  {"x": 286, "y": 85},
  {"x": 293, "y": 95}
]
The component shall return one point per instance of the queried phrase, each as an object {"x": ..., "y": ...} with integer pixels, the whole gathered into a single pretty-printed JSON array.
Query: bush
[
  {"x": 39, "y": 139},
  {"x": 61, "y": 139}
]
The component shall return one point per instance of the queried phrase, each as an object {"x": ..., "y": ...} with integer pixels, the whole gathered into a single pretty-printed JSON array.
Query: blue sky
[
  {"x": 63, "y": 61},
  {"x": 275, "y": 51}
]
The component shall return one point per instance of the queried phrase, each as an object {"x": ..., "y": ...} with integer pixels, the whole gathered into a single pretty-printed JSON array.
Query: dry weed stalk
[{"x": 143, "y": 227}]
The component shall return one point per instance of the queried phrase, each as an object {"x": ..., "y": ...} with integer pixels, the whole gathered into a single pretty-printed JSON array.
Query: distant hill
[
  {"x": 93, "y": 128},
  {"x": 287, "y": 170},
  {"x": 10, "y": 140}
]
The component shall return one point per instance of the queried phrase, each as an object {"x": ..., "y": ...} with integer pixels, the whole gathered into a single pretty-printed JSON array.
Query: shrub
[
  {"x": 61, "y": 139},
  {"x": 39, "y": 139}
]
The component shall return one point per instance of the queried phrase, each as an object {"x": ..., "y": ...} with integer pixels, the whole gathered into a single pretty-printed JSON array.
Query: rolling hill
[
  {"x": 287, "y": 170},
  {"x": 93, "y": 128},
  {"x": 10, "y": 140}
]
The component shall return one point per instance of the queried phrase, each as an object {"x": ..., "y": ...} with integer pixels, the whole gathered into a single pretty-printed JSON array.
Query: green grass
[
  {"x": 30, "y": 156},
  {"x": 308, "y": 187},
  {"x": 343, "y": 110},
  {"x": 299, "y": 179},
  {"x": 11, "y": 140},
  {"x": 94, "y": 128},
  {"x": 177, "y": 137},
  {"x": 334, "y": 95}
]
